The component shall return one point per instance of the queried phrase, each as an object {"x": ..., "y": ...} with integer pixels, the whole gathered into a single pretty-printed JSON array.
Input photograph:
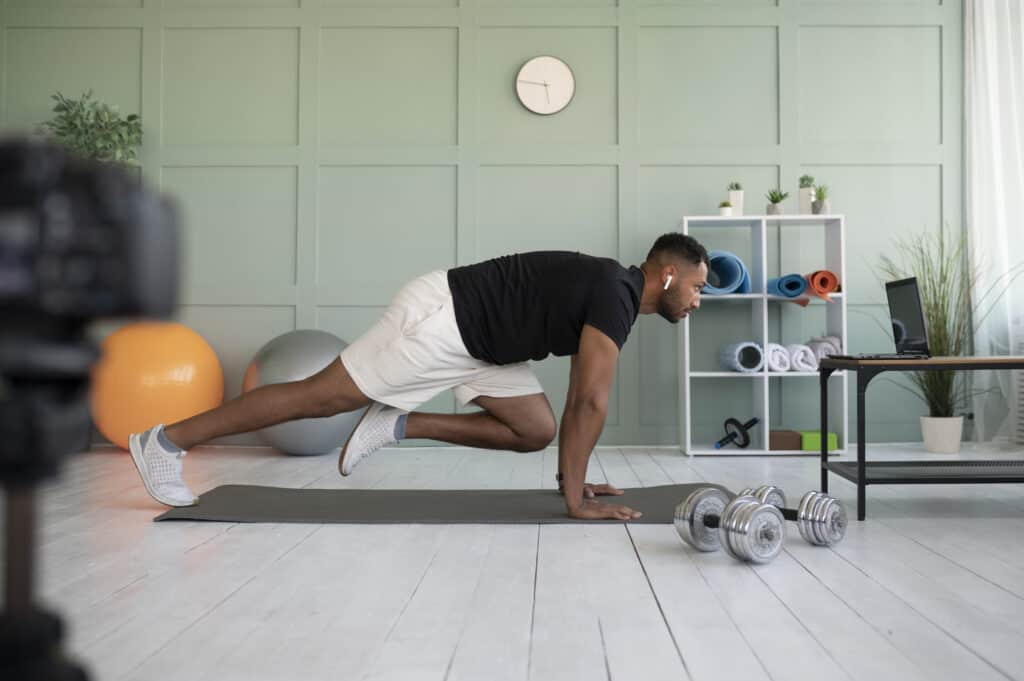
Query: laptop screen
[{"x": 908, "y": 330}]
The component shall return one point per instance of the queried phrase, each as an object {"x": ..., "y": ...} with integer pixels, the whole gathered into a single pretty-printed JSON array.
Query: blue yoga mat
[
  {"x": 726, "y": 274},
  {"x": 788, "y": 286}
]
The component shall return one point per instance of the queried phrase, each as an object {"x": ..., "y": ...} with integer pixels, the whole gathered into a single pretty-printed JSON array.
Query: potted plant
[
  {"x": 736, "y": 198},
  {"x": 775, "y": 198},
  {"x": 821, "y": 205},
  {"x": 806, "y": 194},
  {"x": 948, "y": 282},
  {"x": 94, "y": 130},
  {"x": 725, "y": 208}
]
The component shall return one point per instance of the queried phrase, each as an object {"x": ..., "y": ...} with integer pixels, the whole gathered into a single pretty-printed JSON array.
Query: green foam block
[{"x": 810, "y": 441}]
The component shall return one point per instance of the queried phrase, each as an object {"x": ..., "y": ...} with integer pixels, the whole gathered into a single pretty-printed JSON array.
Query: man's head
[{"x": 679, "y": 265}]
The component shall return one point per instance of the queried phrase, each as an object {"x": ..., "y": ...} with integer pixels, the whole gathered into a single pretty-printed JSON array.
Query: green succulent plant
[
  {"x": 725, "y": 204},
  {"x": 821, "y": 192},
  {"x": 735, "y": 187},
  {"x": 777, "y": 196},
  {"x": 806, "y": 181}
]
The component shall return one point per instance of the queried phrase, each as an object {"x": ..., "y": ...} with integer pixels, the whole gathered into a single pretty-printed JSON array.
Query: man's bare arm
[
  {"x": 583, "y": 420},
  {"x": 589, "y": 490}
]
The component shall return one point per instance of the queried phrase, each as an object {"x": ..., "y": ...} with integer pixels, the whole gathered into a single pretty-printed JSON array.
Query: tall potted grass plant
[{"x": 948, "y": 283}]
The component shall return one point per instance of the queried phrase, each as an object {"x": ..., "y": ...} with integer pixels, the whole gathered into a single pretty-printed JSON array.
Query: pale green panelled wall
[{"x": 325, "y": 151}]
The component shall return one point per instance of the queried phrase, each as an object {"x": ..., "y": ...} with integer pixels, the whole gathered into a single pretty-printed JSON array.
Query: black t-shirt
[{"x": 526, "y": 306}]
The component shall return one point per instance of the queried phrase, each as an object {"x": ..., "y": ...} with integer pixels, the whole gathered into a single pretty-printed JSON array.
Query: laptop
[{"x": 908, "y": 329}]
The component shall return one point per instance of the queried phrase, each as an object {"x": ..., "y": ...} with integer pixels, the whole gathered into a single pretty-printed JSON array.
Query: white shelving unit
[{"x": 834, "y": 227}]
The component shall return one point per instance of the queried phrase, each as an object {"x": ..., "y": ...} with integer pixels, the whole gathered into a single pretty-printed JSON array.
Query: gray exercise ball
[{"x": 292, "y": 357}]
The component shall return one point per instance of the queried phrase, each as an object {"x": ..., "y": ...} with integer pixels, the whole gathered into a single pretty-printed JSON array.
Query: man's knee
[
  {"x": 538, "y": 437},
  {"x": 332, "y": 391}
]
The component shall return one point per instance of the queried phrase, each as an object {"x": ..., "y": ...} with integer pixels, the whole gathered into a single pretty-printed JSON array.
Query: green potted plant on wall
[
  {"x": 736, "y": 198},
  {"x": 821, "y": 205},
  {"x": 806, "y": 195},
  {"x": 775, "y": 199},
  {"x": 94, "y": 130},
  {"x": 948, "y": 283}
]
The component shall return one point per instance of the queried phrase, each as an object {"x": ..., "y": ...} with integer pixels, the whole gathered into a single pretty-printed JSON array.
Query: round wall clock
[{"x": 545, "y": 85}]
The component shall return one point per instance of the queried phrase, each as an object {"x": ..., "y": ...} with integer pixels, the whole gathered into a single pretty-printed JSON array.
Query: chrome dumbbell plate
[
  {"x": 690, "y": 514},
  {"x": 752, "y": 531},
  {"x": 821, "y": 519},
  {"x": 758, "y": 534}
]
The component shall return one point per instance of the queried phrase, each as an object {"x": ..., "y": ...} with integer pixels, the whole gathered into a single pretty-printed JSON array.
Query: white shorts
[{"x": 415, "y": 351}]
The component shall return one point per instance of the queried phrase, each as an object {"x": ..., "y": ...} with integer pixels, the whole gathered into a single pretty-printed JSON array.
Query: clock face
[{"x": 545, "y": 85}]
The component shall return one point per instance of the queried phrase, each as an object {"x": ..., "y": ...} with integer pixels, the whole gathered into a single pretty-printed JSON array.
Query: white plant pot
[
  {"x": 773, "y": 209},
  {"x": 725, "y": 210},
  {"x": 806, "y": 199},
  {"x": 942, "y": 434},
  {"x": 736, "y": 199}
]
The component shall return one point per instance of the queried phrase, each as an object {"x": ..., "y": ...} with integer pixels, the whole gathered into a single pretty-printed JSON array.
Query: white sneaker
[
  {"x": 160, "y": 469},
  {"x": 375, "y": 429}
]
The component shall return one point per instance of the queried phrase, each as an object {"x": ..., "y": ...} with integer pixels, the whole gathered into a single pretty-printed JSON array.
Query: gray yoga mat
[{"x": 254, "y": 504}]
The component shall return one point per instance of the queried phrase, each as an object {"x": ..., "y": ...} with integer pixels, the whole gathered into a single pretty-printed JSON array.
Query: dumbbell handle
[
  {"x": 789, "y": 513},
  {"x": 714, "y": 521}
]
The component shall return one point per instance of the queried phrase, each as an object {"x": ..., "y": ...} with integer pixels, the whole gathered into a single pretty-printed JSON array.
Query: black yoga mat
[{"x": 254, "y": 504}]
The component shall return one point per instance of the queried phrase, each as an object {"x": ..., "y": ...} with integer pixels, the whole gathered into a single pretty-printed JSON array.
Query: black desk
[{"x": 908, "y": 472}]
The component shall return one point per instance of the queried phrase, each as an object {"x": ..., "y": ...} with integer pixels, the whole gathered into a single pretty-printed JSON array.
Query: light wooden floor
[{"x": 931, "y": 586}]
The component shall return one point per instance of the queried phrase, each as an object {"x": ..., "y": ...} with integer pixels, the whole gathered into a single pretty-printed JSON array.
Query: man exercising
[{"x": 470, "y": 329}]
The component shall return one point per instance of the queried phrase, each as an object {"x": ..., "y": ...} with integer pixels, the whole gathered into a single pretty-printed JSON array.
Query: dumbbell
[
  {"x": 750, "y": 530},
  {"x": 820, "y": 518}
]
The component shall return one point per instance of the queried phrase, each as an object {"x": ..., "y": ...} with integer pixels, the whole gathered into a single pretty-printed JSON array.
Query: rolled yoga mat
[
  {"x": 256, "y": 504},
  {"x": 788, "y": 286},
  {"x": 726, "y": 274},
  {"x": 777, "y": 357},
  {"x": 745, "y": 357},
  {"x": 822, "y": 282}
]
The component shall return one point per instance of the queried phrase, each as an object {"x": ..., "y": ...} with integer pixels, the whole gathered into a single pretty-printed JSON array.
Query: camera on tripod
[{"x": 79, "y": 241}]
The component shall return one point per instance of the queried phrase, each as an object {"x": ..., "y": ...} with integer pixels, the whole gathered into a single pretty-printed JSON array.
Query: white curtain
[{"x": 994, "y": 196}]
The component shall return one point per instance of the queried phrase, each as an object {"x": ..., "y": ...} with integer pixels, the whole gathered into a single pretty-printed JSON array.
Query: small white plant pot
[
  {"x": 725, "y": 210},
  {"x": 821, "y": 207},
  {"x": 806, "y": 199},
  {"x": 736, "y": 199},
  {"x": 942, "y": 434},
  {"x": 773, "y": 209}
]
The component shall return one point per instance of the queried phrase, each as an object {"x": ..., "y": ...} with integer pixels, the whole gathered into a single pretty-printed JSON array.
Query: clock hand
[{"x": 533, "y": 82}]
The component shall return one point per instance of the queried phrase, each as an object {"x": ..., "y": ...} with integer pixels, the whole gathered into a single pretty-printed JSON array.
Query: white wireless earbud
[{"x": 667, "y": 282}]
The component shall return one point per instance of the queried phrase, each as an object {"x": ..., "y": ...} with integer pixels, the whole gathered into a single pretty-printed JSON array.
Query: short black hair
[{"x": 681, "y": 246}]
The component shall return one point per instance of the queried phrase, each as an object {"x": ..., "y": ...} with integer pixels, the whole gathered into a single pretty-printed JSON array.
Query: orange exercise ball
[{"x": 150, "y": 373}]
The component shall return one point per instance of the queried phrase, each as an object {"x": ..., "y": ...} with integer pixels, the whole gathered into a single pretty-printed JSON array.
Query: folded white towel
[
  {"x": 825, "y": 345},
  {"x": 746, "y": 357},
  {"x": 777, "y": 357},
  {"x": 802, "y": 358}
]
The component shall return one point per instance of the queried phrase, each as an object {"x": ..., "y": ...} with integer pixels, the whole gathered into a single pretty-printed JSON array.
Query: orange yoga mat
[
  {"x": 822, "y": 282},
  {"x": 819, "y": 283}
]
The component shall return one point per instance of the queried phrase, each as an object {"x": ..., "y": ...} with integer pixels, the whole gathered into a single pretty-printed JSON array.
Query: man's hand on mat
[
  {"x": 590, "y": 491},
  {"x": 594, "y": 510}
]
